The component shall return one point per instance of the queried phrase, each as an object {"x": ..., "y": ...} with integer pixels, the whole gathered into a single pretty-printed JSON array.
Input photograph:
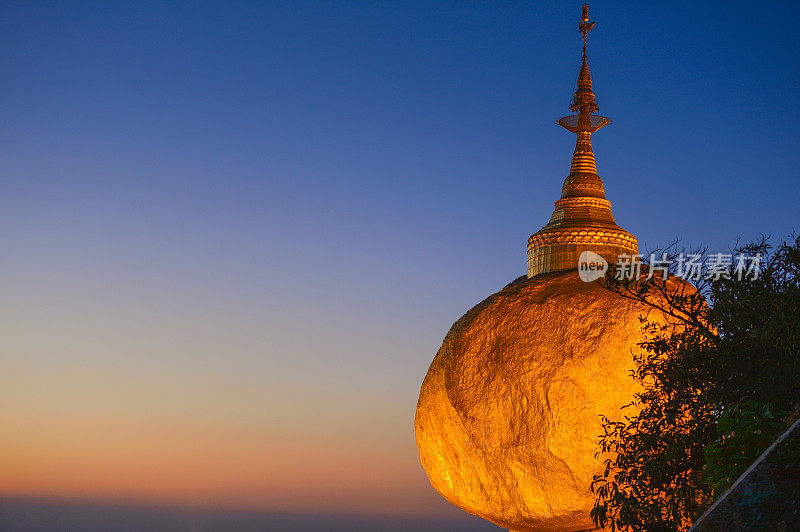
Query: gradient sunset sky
[{"x": 234, "y": 234}]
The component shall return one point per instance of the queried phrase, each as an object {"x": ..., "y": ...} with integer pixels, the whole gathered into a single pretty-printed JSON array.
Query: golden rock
[{"x": 507, "y": 422}]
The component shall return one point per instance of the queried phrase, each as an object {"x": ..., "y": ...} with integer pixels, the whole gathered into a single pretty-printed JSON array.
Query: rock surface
[{"x": 507, "y": 421}]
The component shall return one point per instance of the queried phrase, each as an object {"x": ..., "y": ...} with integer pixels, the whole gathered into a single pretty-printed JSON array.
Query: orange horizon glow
[
  {"x": 217, "y": 404},
  {"x": 169, "y": 462}
]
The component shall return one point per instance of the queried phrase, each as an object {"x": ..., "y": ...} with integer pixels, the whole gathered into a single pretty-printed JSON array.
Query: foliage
[
  {"x": 711, "y": 376},
  {"x": 767, "y": 498},
  {"x": 744, "y": 431},
  {"x": 653, "y": 482}
]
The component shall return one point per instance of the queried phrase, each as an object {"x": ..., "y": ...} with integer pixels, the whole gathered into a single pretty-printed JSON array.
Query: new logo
[{"x": 591, "y": 266}]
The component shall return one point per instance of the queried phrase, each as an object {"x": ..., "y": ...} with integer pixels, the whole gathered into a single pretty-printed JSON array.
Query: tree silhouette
[{"x": 719, "y": 383}]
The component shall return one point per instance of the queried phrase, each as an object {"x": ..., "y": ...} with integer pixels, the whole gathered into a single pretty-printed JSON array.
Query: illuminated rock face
[{"x": 507, "y": 421}]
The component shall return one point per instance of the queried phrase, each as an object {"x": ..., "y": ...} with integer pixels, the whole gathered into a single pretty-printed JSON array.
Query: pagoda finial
[
  {"x": 584, "y": 27},
  {"x": 583, "y": 179},
  {"x": 584, "y": 101}
]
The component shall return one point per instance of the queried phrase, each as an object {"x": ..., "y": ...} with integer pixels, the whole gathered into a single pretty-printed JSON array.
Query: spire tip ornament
[{"x": 584, "y": 26}]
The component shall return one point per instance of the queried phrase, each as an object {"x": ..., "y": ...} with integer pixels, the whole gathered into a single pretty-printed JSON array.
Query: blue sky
[{"x": 268, "y": 214}]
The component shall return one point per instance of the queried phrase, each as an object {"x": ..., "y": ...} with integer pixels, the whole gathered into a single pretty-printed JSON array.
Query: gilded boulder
[{"x": 507, "y": 422}]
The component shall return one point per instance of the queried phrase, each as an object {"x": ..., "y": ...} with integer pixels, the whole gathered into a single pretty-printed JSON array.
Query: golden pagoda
[
  {"x": 508, "y": 416},
  {"x": 582, "y": 219}
]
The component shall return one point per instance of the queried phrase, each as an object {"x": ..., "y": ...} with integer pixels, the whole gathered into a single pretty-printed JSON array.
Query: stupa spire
[
  {"x": 583, "y": 169},
  {"x": 582, "y": 219},
  {"x": 584, "y": 97}
]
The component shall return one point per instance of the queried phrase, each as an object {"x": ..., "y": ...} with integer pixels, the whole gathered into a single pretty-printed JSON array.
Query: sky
[{"x": 235, "y": 234}]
